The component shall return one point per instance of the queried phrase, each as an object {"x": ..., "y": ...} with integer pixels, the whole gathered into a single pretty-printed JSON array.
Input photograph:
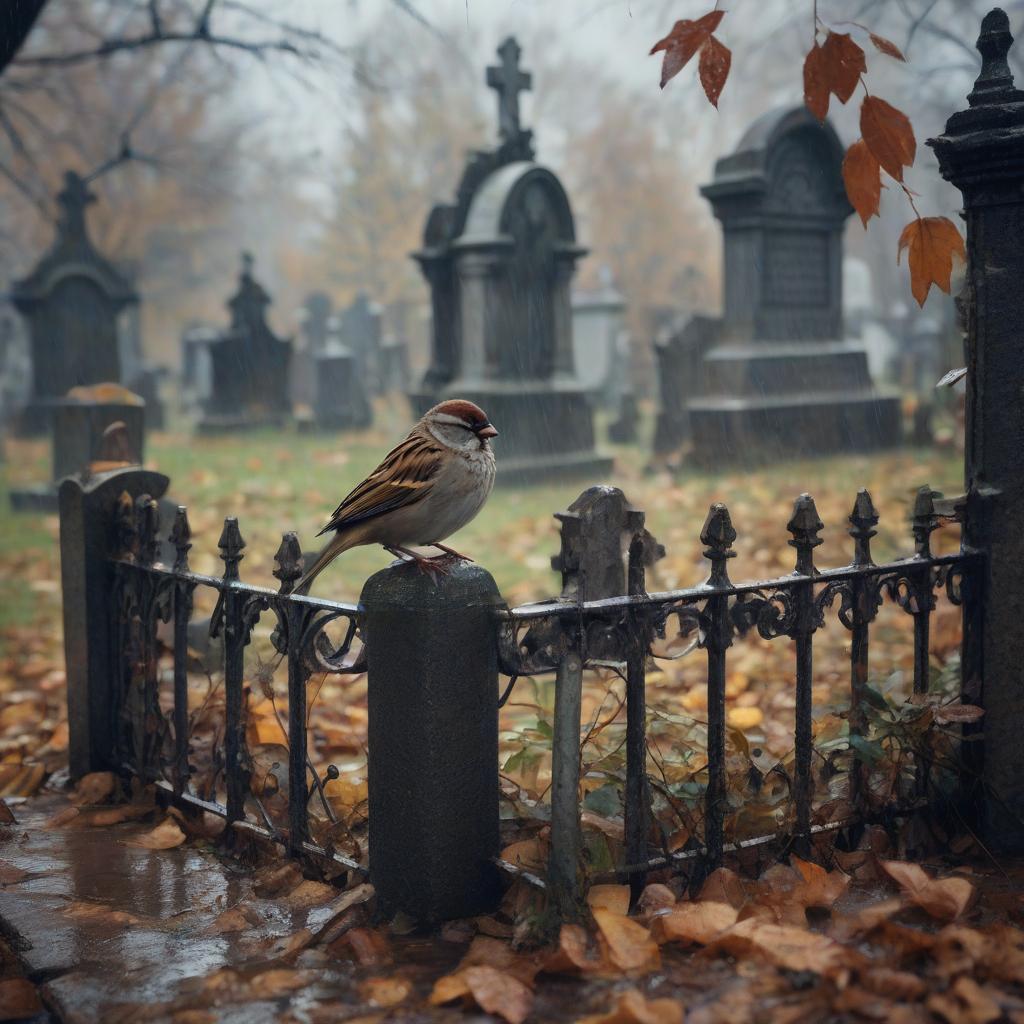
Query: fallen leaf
[
  {"x": 820, "y": 888},
  {"x": 723, "y": 885},
  {"x": 957, "y": 713},
  {"x": 889, "y": 135},
  {"x": 94, "y": 788},
  {"x": 574, "y": 954},
  {"x": 701, "y": 922},
  {"x": 715, "y": 61},
  {"x": 11, "y": 874},
  {"x": 965, "y": 1002},
  {"x": 165, "y": 836},
  {"x": 685, "y": 39},
  {"x": 368, "y": 946},
  {"x": 899, "y": 985},
  {"x": 630, "y": 945},
  {"x": 609, "y": 897},
  {"x": 931, "y": 243},
  {"x": 654, "y": 899},
  {"x": 492, "y": 990},
  {"x": 6, "y": 814},
  {"x": 62, "y": 818},
  {"x": 942, "y": 898},
  {"x": 862, "y": 176},
  {"x": 278, "y": 981},
  {"x": 82, "y": 910},
  {"x": 530, "y": 854},
  {"x": 385, "y": 991},
  {"x": 309, "y": 893},
  {"x": 19, "y": 999},
  {"x": 632, "y": 1007},
  {"x": 785, "y": 946}
]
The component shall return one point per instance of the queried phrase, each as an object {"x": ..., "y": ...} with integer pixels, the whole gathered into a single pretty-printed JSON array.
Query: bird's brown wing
[{"x": 399, "y": 481}]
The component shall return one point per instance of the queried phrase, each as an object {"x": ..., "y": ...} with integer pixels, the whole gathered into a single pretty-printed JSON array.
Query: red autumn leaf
[
  {"x": 862, "y": 177},
  {"x": 930, "y": 243},
  {"x": 685, "y": 39},
  {"x": 816, "y": 87},
  {"x": 889, "y": 135},
  {"x": 715, "y": 61},
  {"x": 845, "y": 62},
  {"x": 883, "y": 45}
]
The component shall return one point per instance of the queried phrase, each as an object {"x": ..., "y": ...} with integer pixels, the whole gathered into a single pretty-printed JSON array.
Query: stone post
[
  {"x": 87, "y": 540},
  {"x": 433, "y": 740},
  {"x": 982, "y": 153}
]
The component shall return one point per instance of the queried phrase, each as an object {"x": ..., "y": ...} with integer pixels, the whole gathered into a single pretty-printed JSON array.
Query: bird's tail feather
[{"x": 339, "y": 543}]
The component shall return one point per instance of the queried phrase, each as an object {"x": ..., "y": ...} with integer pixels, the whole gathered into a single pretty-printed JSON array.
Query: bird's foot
[
  {"x": 451, "y": 552},
  {"x": 433, "y": 567}
]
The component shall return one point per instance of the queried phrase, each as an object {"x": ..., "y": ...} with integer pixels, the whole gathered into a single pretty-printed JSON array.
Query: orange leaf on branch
[
  {"x": 889, "y": 135},
  {"x": 816, "y": 83},
  {"x": 890, "y": 49},
  {"x": 685, "y": 39},
  {"x": 845, "y": 62},
  {"x": 862, "y": 176},
  {"x": 715, "y": 61},
  {"x": 931, "y": 243}
]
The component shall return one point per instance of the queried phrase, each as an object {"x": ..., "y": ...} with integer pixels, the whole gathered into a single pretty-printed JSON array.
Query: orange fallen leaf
[
  {"x": 165, "y": 836},
  {"x": 609, "y": 897},
  {"x": 820, "y": 888},
  {"x": 630, "y": 945},
  {"x": 965, "y": 1002},
  {"x": 942, "y": 898},
  {"x": 785, "y": 946},
  {"x": 701, "y": 922},
  {"x": 94, "y": 788},
  {"x": 19, "y": 999},
  {"x": 492, "y": 990},
  {"x": 574, "y": 954},
  {"x": 632, "y": 1007},
  {"x": 385, "y": 991},
  {"x": 723, "y": 885},
  {"x": 655, "y": 899}
]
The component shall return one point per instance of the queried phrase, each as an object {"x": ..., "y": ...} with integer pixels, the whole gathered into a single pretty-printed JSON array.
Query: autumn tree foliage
[{"x": 835, "y": 66}]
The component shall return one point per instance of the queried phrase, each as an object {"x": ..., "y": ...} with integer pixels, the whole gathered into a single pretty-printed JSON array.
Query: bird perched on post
[{"x": 428, "y": 487}]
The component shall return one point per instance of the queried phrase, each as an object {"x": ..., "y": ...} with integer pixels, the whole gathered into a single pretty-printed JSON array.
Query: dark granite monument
[
  {"x": 499, "y": 262},
  {"x": 359, "y": 330},
  {"x": 71, "y": 302},
  {"x": 249, "y": 365},
  {"x": 781, "y": 379}
]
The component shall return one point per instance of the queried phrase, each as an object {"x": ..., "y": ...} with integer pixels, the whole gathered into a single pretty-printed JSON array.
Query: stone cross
[
  {"x": 508, "y": 81},
  {"x": 73, "y": 199}
]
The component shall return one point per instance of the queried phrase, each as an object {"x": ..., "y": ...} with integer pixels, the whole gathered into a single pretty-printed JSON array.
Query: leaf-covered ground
[{"x": 280, "y": 482}]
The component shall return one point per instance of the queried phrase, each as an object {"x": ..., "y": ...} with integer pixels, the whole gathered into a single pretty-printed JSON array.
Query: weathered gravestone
[
  {"x": 499, "y": 261},
  {"x": 313, "y": 326},
  {"x": 249, "y": 365},
  {"x": 359, "y": 330},
  {"x": 782, "y": 380},
  {"x": 71, "y": 301},
  {"x": 196, "y": 371}
]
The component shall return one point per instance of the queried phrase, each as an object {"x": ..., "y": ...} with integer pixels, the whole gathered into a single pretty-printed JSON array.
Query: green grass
[{"x": 276, "y": 481}]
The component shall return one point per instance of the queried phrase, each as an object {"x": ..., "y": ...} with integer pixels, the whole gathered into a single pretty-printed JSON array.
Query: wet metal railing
[{"x": 557, "y": 636}]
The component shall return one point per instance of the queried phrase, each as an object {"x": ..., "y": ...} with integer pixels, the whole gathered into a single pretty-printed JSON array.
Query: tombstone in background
[
  {"x": 394, "y": 350},
  {"x": 312, "y": 339},
  {"x": 249, "y": 363},
  {"x": 81, "y": 421},
  {"x": 15, "y": 365},
  {"x": 597, "y": 321},
  {"x": 681, "y": 344},
  {"x": 359, "y": 327},
  {"x": 71, "y": 302},
  {"x": 340, "y": 399},
  {"x": 196, "y": 367},
  {"x": 499, "y": 262},
  {"x": 783, "y": 381}
]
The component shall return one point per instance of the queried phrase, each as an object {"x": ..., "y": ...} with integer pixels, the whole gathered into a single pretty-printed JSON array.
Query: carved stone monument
[
  {"x": 249, "y": 364},
  {"x": 71, "y": 302},
  {"x": 499, "y": 261},
  {"x": 781, "y": 379}
]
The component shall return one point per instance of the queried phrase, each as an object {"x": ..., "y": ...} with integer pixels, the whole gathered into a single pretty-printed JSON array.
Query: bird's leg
[
  {"x": 451, "y": 551},
  {"x": 430, "y": 566}
]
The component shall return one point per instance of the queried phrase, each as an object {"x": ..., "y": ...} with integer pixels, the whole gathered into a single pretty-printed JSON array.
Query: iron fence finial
[
  {"x": 924, "y": 521},
  {"x": 863, "y": 520},
  {"x": 804, "y": 525},
  {"x": 288, "y": 561},
  {"x": 717, "y": 535},
  {"x": 181, "y": 538},
  {"x": 231, "y": 547}
]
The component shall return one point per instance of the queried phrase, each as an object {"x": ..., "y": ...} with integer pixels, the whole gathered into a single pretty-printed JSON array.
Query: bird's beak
[{"x": 486, "y": 431}]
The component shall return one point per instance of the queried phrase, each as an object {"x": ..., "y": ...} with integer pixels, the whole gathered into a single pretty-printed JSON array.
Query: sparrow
[{"x": 428, "y": 487}]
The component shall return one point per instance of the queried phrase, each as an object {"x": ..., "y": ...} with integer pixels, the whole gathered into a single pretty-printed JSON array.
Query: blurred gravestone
[
  {"x": 782, "y": 380},
  {"x": 597, "y": 321},
  {"x": 499, "y": 262},
  {"x": 196, "y": 368},
  {"x": 316, "y": 312},
  {"x": 360, "y": 332},
  {"x": 82, "y": 435},
  {"x": 249, "y": 364},
  {"x": 71, "y": 301},
  {"x": 340, "y": 399},
  {"x": 394, "y": 350}
]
